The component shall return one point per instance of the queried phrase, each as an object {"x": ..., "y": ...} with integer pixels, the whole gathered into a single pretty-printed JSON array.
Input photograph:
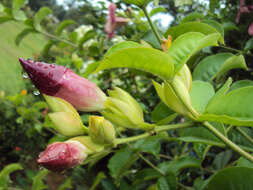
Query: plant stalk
[
  {"x": 228, "y": 142},
  {"x": 154, "y": 131},
  {"x": 244, "y": 134},
  {"x": 152, "y": 25}
]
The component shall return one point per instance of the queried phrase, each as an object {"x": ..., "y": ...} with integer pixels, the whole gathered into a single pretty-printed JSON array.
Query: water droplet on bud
[
  {"x": 36, "y": 92},
  {"x": 24, "y": 75}
]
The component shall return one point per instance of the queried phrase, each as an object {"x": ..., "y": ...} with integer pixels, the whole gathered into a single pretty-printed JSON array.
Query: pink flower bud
[
  {"x": 62, "y": 155},
  {"x": 59, "y": 81},
  {"x": 113, "y": 21}
]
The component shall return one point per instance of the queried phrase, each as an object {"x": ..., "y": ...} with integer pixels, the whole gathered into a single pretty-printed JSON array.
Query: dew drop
[
  {"x": 36, "y": 92},
  {"x": 39, "y": 64},
  {"x": 52, "y": 65}
]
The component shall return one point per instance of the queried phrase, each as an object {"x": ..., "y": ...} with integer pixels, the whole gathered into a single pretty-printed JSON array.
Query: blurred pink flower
[
  {"x": 59, "y": 81},
  {"x": 245, "y": 9},
  {"x": 113, "y": 21},
  {"x": 62, "y": 155}
]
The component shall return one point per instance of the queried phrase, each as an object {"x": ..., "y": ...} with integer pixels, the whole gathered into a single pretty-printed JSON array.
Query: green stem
[
  {"x": 228, "y": 142},
  {"x": 244, "y": 134},
  {"x": 152, "y": 25},
  {"x": 59, "y": 39},
  {"x": 150, "y": 133}
]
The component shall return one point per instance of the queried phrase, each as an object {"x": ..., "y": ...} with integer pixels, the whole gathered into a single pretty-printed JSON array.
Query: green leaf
[
  {"x": 48, "y": 46},
  {"x": 151, "y": 145},
  {"x": 242, "y": 162},
  {"x": 194, "y": 16},
  {"x": 161, "y": 112},
  {"x": 23, "y": 34},
  {"x": 216, "y": 25},
  {"x": 232, "y": 108},
  {"x": 145, "y": 59},
  {"x": 209, "y": 66},
  {"x": 196, "y": 26},
  {"x": 249, "y": 44},
  {"x": 188, "y": 44},
  {"x": 215, "y": 66},
  {"x": 150, "y": 37},
  {"x": 241, "y": 84},
  {"x": 222, "y": 159},
  {"x": 157, "y": 10},
  {"x": 16, "y": 12},
  {"x": 179, "y": 3},
  {"x": 201, "y": 93},
  {"x": 228, "y": 26},
  {"x": 4, "y": 19},
  {"x": 5, "y": 174},
  {"x": 139, "y": 3},
  {"x": 176, "y": 166},
  {"x": 87, "y": 36},
  {"x": 146, "y": 174},
  {"x": 169, "y": 182},
  {"x": 234, "y": 178},
  {"x": 64, "y": 25},
  {"x": 39, "y": 16},
  {"x": 90, "y": 69},
  {"x": 121, "y": 161},
  {"x": 202, "y": 135},
  {"x": 38, "y": 183},
  {"x": 97, "y": 180},
  {"x": 66, "y": 185},
  {"x": 121, "y": 46},
  {"x": 1, "y": 8}
]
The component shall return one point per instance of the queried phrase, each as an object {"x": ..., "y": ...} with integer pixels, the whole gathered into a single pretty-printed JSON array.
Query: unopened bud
[
  {"x": 101, "y": 130},
  {"x": 62, "y": 155},
  {"x": 59, "y": 81},
  {"x": 184, "y": 74}
]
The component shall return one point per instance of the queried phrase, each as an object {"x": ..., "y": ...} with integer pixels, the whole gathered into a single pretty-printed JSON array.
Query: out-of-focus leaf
[
  {"x": 161, "y": 112},
  {"x": 23, "y": 34},
  {"x": 66, "y": 185},
  {"x": 241, "y": 84},
  {"x": 168, "y": 182},
  {"x": 4, "y": 19},
  {"x": 228, "y": 26},
  {"x": 179, "y": 3},
  {"x": 38, "y": 183},
  {"x": 97, "y": 180},
  {"x": 64, "y": 24},
  {"x": 157, "y": 10},
  {"x": 139, "y": 3},
  {"x": 87, "y": 36},
  {"x": 39, "y": 16},
  {"x": 150, "y": 37},
  {"x": 216, "y": 25},
  {"x": 194, "y": 16},
  {"x": 222, "y": 159},
  {"x": 249, "y": 44},
  {"x": 151, "y": 145}
]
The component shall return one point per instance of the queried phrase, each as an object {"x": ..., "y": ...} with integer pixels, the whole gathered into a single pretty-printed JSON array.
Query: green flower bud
[
  {"x": 91, "y": 146},
  {"x": 184, "y": 74},
  {"x": 123, "y": 110},
  {"x": 65, "y": 118},
  {"x": 101, "y": 130}
]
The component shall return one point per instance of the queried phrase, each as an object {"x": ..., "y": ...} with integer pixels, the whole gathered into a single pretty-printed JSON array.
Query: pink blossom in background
[
  {"x": 245, "y": 9},
  {"x": 59, "y": 81},
  {"x": 113, "y": 21}
]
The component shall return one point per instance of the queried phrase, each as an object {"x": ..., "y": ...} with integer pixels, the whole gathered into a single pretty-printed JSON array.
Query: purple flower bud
[
  {"x": 62, "y": 155},
  {"x": 59, "y": 81}
]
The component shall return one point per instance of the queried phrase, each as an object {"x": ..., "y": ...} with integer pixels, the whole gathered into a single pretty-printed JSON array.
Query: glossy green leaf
[
  {"x": 232, "y": 108},
  {"x": 145, "y": 59},
  {"x": 121, "y": 46},
  {"x": 196, "y": 26},
  {"x": 39, "y": 16},
  {"x": 139, "y": 3},
  {"x": 201, "y": 93},
  {"x": 38, "y": 183},
  {"x": 194, "y": 16},
  {"x": 241, "y": 84},
  {"x": 150, "y": 145},
  {"x": 121, "y": 161},
  {"x": 216, "y": 25},
  {"x": 188, "y": 44},
  {"x": 217, "y": 65},
  {"x": 234, "y": 178},
  {"x": 90, "y": 69},
  {"x": 64, "y": 24},
  {"x": 23, "y": 34}
]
